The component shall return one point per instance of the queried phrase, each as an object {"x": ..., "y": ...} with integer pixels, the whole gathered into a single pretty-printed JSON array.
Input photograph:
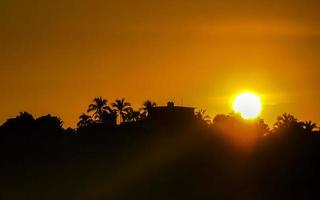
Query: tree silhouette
[
  {"x": 98, "y": 107},
  {"x": 147, "y": 106},
  {"x": 201, "y": 115},
  {"x": 48, "y": 126},
  {"x": 84, "y": 120},
  {"x": 220, "y": 118},
  {"x": 121, "y": 107},
  {"x": 22, "y": 122},
  {"x": 285, "y": 121},
  {"x": 229, "y": 118},
  {"x": 309, "y": 126},
  {"x": 262, "y": 128},
  {"x": 133, "y": 116},
  {"x": 50, "y": 121},
  {"x": 109, "y": 118},
  {"x": 25, "y": 116}
]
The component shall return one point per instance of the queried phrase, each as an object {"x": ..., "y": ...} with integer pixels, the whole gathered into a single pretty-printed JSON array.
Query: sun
[{"x": 248, "y": 105}]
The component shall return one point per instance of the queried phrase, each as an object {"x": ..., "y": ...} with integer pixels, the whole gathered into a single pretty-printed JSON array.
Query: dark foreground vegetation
[{"x": 144, "y": 158}]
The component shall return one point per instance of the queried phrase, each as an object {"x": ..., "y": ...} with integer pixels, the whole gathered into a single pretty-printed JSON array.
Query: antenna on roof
[{"x": 181, "y": 101}]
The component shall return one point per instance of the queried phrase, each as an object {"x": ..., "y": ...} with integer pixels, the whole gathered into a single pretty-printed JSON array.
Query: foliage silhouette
[
  {"x": 121, "y": 107},
  {"x": 201, "y": 115},
  {"x": 21, "y": 122},
  {"x": 285, "y": 121},
  {"x": 309, "y": 126},
  {"x": 84, "y": 120},
  {"x": 133, "y": 116},
  {"x": 98, "y": 107},
  {"x": 147, "y": 106}
]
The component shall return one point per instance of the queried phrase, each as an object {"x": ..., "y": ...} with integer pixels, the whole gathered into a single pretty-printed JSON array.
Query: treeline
[
  {"x": 120, "y": 112},
  {"x": 100, "y": 112},
  {"x": 115, "y": 154}
]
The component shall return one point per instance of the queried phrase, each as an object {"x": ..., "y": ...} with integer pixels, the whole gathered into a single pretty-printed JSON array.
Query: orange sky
[{"x": 56, "y": 55}]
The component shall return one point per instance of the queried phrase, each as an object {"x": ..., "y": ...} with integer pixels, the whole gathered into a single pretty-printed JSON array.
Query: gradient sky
[{"x": 57, "y": 55}]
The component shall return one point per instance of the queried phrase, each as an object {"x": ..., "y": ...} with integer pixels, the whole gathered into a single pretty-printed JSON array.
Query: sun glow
[{"x": 248, "y": 105}]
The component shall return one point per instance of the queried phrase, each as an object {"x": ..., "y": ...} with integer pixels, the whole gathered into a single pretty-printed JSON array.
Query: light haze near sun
[{"x": 248, "y": 105}]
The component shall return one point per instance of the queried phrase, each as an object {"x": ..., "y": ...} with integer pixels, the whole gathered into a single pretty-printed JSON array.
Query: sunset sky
[{"x": 57, "y": 55}]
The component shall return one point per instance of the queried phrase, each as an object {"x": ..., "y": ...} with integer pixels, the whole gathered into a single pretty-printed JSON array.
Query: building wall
[{"x": 175, "y": 114}]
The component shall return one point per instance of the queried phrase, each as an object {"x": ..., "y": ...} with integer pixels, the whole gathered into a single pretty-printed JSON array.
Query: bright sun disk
[{"x": 248, "y": 105}]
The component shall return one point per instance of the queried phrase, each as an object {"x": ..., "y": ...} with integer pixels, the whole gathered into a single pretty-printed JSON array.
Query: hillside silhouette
[{"x": 158, "y": 152}]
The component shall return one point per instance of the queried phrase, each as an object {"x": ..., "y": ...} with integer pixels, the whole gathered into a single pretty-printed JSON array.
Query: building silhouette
[{"x": 171, "y": 114}]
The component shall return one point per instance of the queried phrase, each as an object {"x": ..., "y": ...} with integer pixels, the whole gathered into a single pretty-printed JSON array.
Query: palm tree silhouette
[
  {"x": 121, "y": 107},
  {"x": 98, "y": 107},
  {"x": 84, "y": 120},
  {"x": 309, "y": 126},
  {"x": 201, "y": 115},
  {"x": 285, "y": 121},
  {"x": 133, "y": 116},
  {"x": 147, "y": 106}
]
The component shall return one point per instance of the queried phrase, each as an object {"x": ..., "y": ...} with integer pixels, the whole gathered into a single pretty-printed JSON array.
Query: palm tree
[
  {"x": 84, "y": 120},
  {"x": 285, "y": 121},
  {"x": 121, "y": 107},
  {"x": 98, "y": 107},
  {"x": 309, "y": 126},
  {"x": 133, "y": 116},
  {"x": 147, "y": 107},
  {"x": 201, "y": 115}
]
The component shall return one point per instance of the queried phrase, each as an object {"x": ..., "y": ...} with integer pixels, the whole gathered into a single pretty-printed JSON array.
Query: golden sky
[{"x": 57, "y": 55}]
